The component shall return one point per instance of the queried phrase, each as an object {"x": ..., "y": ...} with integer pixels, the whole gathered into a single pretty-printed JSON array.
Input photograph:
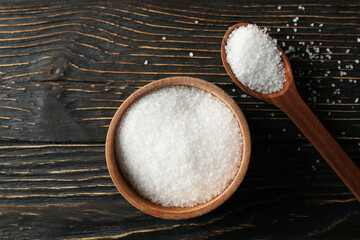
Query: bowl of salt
[{"x": 178, "y": 148}]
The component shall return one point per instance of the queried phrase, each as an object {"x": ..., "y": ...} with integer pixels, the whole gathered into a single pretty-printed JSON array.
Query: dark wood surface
[{"x": 66, "y": 66}]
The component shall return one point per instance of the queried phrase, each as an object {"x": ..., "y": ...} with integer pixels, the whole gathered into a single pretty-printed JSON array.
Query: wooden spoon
[{"x": 289, "y": 100}]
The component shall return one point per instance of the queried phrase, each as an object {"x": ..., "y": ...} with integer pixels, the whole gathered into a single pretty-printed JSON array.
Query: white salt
[
  {"x": 196, "y": 21},
  {"x": 191, "y": 54},
  {"x": 163, "y": 38},
  {"x": 179, "y": 146},
  {"x": 255, "y": 59},
  {"x": 146, "y": 62}
]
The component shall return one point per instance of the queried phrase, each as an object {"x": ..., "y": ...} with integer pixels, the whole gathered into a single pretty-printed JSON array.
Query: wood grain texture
[{"x": 66, "y": 66}]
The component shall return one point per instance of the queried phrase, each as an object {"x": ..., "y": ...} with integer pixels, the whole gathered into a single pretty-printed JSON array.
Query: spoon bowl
[
  {"x": 267, "y": 97},
  {"x": 289, "y": 100}
]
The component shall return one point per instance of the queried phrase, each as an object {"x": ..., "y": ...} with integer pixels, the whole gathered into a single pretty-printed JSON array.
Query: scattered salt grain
[
  {"x": 233, "y": 90},
  {"x": 301, "y": 7},
  {"x": 196, "y": 21},
  {"x": 320, "y": 25},
  {"x": 191, "y": 54},
  {"x": 296, "y": 19},
  {"x": 347, "y": 51},
  {"x": 343, "y": 133},
  {"x": 295, "y": 29},
  {"x": 290, "y": 50},
  {"x": 255, "y": 59},
  {"x": 358, "y": 39},
  {"x": 279, "y": 7},
  {"x": 179, "y": 146},
  {"x": 146, "y": 62},
  {"x": 284, "y": 130},
  {"x": 356, "y": 100},
  {"x": 312, "y": 24},
  {"x": 357, "y": 61},
  {"x": 278, "y": 29}
]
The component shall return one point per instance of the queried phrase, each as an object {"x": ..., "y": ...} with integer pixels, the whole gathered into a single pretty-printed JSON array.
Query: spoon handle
[{"x": 292, "y": 104}]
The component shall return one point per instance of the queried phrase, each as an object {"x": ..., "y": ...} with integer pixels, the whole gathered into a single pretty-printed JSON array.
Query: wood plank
[{"x": 51, "y": 190}]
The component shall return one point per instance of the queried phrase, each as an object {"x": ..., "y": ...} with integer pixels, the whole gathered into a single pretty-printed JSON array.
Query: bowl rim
[{"x": 158, "y": 210}]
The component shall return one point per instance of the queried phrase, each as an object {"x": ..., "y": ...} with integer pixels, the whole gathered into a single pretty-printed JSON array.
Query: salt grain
[
  {"x": 146, "y": 62},
  {"x": 196, "y": 21},
  {"x": 255, "y": 59},
  {"x": 163, "y": 38},
  {"x": 179, "y": 146},
  {"x": 191, "y": 54}
]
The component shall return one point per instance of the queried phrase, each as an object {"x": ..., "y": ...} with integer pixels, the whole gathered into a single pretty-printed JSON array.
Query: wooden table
[{"x": 66, "y": 66}]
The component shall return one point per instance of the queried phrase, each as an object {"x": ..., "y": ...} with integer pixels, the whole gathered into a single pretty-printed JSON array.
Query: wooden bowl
[{"x": 146, "y": 205}]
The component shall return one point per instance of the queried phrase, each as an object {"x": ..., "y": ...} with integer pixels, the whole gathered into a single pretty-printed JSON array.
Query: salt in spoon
[{"x": 289, "y": 101}]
